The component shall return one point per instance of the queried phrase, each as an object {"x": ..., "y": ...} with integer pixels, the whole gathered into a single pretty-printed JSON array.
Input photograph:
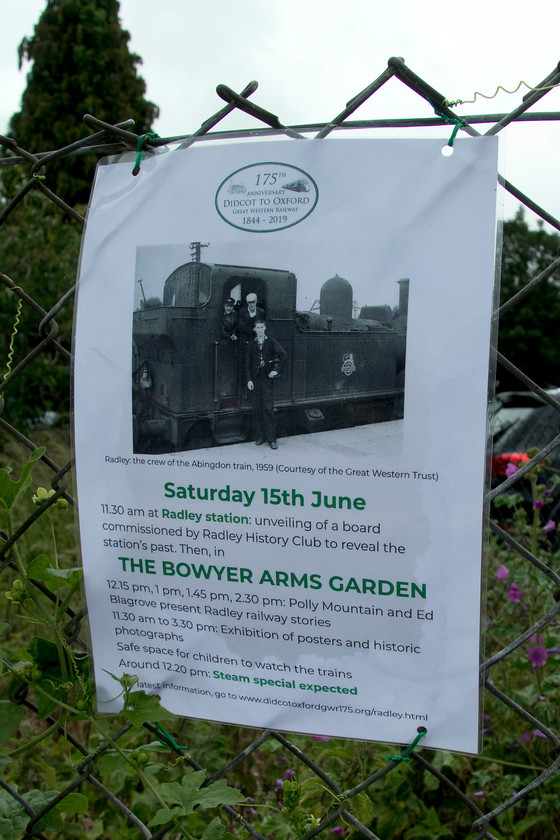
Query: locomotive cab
[{"x": 198, "y": 393}]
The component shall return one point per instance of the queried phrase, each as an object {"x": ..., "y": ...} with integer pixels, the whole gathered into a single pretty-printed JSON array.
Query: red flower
[{"x": 501, "y": 462}]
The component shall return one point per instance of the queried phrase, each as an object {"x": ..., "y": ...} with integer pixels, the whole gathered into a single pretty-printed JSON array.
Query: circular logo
[{"x": 265, "y": 197}]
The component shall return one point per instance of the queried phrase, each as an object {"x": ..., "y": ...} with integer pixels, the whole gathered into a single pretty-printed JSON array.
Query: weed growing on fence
[
  {"x": 67, "y": 770},
  {"x": 47, "y": 671}
]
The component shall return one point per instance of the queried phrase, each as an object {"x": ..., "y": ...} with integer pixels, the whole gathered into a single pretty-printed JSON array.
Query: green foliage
[
  {"x": 293, "y": 809},
  {"x": 190, "y": 794},
  {"x": 286, "y": 798},
  {"x": 431, "y": 828},
  {"x": 10, "y": 718},
  {"x": 80, "y": 64},
  {"x": 528, "y": 334},
  {"x": 39, "y": 251},
  {"x": 12, "y": 490},
  {"x": 57, "y": 675},
  {"x": 14, "y": 817}
]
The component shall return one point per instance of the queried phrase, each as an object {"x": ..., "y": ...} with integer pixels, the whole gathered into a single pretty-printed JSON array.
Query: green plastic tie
[
  {"x": 140, "y": 149},
  {"x": 406, "y": 755},
  {"x": 457, "y": 124},
  {"x": 170, "y": 739}
]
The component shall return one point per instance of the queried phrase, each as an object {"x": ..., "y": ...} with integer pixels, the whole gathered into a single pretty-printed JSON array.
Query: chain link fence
[{"x": 340, "y": 788}]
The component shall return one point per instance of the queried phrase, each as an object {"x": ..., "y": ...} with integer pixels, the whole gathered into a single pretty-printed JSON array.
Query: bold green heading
[{"x": 269, "y": 496}]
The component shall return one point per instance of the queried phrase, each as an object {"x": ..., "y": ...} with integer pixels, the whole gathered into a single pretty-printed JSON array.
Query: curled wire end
[
  {"x": 501, "y": 88},
  {"x": 11, "y": 348}
]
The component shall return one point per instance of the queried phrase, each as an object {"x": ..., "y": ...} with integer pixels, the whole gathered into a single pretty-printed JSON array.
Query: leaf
[
  {"x": 43, "y": 653},
  {"x": 5, "y": 760},
  {"x": 41, "y": 569},
  {"x": 431, "y": 828},
  {"x": 190, "y": 793},
  {"x": 52, "y": 820},
  {"x": 521, "y": 826},
  {"x": 70, "y": 576},
  {"x": 216, "y": 830},
  {"x": 38, "y": 567},
  {"x": 508, "y": 500},
  {"x": 74, "y": 803},
  {"x": 13, "y": 827},
  {"x": 431, "y": 782},
  {"x": 173, "y": 791},
  {"x": 443, "y": 758},
  {"x": 143, "y": 708},
  {"x": 11, "y": 491},
  {"x": 55, "y": 578},
  {"x": 46, "y": 705},
  {"x": 10, "y": 718},
  {"x": 110, "y": 763},
  {"x": 161, "y": 816},
  {"x": 219, "y": 794},
  {"x": 50, "y": 689},
  {"x": 113, "y": 676}
]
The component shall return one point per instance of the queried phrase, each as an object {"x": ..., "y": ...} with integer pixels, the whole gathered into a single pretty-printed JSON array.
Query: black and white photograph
[{"x": 222, "y": 355}]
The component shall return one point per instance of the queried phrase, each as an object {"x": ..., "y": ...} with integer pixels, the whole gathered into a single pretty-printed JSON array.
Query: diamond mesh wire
[{"x": 341, "y": 787}]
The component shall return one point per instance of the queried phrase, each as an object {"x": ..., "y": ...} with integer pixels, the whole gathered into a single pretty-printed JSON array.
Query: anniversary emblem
[{"x": 264, "y": 197}]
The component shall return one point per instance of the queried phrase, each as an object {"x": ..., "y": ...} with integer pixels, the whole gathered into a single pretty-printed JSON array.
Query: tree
[
  {"x": 39, "y": 253},
  {"x": 528, "y": 334},
  {"x": 80, "y": 64}
]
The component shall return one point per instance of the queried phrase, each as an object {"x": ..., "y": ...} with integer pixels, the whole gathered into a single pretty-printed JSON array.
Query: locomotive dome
[{"x": 335, "y": 299}]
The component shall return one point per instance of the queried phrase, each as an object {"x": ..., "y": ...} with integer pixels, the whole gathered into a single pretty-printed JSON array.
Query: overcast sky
[{"x": 311, "y": 56}]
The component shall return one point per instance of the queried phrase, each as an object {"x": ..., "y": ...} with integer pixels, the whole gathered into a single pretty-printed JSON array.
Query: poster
[{"x": 281, "y": 522}]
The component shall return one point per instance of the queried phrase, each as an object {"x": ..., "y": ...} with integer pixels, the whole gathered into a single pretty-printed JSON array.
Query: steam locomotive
[{"x": 189, "y": 387}]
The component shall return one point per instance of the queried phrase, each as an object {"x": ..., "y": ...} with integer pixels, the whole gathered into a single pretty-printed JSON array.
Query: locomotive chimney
[
  {"x": 403, "y": 298},
  {"x": 196, "y": 250}
]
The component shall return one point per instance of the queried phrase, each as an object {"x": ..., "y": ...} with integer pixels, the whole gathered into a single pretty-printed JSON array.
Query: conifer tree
[
  {"x": 80, "y": 64},
  {"x": 528, "y": 333}
]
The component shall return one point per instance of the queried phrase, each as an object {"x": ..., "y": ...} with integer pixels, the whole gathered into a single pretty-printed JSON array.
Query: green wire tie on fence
[
  {"x": 406, "y": 755},
  {"x": 140, "y": 149},
  {"x": 457, "y": 123},
  {"x": 170, "y": 739}
]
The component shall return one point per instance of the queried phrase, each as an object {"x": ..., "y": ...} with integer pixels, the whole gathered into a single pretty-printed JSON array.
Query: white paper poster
[{"x": 281, "y": 521}]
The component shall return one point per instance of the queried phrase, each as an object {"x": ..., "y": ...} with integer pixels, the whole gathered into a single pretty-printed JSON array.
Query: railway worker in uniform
[
  {"x": 265, "y": 360},
  {"x": 248, "y": 316},
  {"x": 228, "y": 327},
  {"x": 229, "y": 377}
]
